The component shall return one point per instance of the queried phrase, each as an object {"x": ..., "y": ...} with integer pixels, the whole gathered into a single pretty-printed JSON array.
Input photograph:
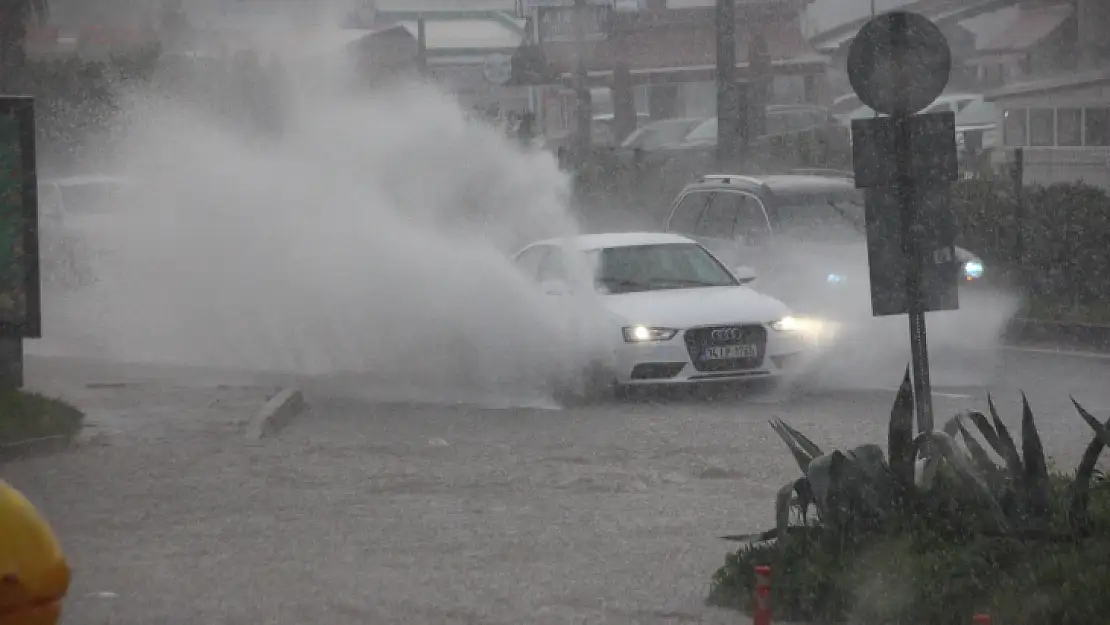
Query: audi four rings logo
[{"x": 727, "y": 334}]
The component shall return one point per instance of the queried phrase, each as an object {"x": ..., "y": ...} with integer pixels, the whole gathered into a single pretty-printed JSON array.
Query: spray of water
[{"x": 370, "y": 238}]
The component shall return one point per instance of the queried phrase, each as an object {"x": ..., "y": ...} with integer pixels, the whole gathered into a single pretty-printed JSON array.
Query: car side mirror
[
  {"x": 744, "y": 274},
  {"x": 554, "y": 287}
]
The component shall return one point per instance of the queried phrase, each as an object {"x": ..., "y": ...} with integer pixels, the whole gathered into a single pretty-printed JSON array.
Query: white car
[{"x": 674, "y": 314}]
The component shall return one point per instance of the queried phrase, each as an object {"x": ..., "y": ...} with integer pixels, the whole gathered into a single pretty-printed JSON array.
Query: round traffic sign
[
  {"x": 899, "y": 62},
  {"x": 498, "y": 68}
]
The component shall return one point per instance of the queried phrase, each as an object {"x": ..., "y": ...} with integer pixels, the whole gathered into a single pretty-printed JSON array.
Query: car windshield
[
  {"x": 657, "y": 267},
  {"x": 821, "y": 218},
  {"x": 658, "y": 134},
  {"x": 705, "y": 131}
]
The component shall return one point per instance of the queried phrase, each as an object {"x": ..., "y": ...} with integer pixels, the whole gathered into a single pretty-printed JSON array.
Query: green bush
[
  {"x": 1062, "y": 256},
  {"x": 933, "y": 531}
]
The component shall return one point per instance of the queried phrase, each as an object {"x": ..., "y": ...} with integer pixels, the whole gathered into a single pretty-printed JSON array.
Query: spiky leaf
[
  {"x": 987, "y": 430},
  {"x": 809, "y": 446},
  {"x": 1101, "y": 433},
  {"x": 1036, "y": 468},
  {"x": 979, "y": 455},
  {"x": 800, "y": 455},
  {"x": 1081, "y": 486},
  {"x": 825, "y": 476},
  {"x": 945, "y": 446},
  {"x": 795, "y": 492},
  {"x": 1006, "y": 447},
  {"x": 952, "y": 426},
  {"x": 900, "y": 433}
]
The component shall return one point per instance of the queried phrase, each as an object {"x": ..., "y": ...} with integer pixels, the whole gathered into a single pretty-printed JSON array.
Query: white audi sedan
[{"x": 673, "y": 313}]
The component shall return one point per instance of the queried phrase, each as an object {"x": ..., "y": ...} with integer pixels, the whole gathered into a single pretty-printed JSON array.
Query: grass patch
[{"x": 25, "y": 416}]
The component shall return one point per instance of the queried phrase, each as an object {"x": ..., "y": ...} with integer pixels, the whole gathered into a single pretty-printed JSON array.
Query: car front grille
[{"x": 699, "y": 339}]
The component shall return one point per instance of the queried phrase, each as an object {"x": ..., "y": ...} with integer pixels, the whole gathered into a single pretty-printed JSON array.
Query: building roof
[
  {"x": 655, "y": 47},
  {"x": 1018, "y": 28},
  {"x": 942, "y": 12},
  {"x": 1055, "y": 84}
]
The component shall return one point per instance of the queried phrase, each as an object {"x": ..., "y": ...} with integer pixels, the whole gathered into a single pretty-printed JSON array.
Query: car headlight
[
  {"x": 973, "y": 270},
  {"x": 788, "y": 324},
  {"x": 643, "y": 334}
]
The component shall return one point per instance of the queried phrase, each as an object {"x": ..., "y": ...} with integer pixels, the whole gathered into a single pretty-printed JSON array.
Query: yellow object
[{"x": 34, "y": 575}]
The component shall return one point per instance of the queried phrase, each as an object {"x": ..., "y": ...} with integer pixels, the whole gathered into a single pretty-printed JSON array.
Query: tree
[{"x": 14, "y": 17}]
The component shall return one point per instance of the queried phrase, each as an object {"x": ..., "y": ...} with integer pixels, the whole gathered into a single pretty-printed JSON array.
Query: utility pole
[
  {"x": 584, "y": 115},
  {"x": 728, "y": 105},
  {"x": 422, "y": 46}
]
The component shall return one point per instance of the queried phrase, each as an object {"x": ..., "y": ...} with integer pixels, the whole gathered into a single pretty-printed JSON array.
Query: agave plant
[{"x": 862, "y": 488}]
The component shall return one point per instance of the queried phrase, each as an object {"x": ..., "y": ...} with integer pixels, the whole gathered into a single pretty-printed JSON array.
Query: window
[
  {"x": 1042, "y": 127},
  {"x": 1097, "y": 127},
  {"x": 528, "y": 261},
  {"x": 1069, "y": 127},
  {"x": 551, "y": 267},
  {"x": 688, "y": 213},
  {"x": 655, "y": 267},
  {"x": 821, "y": 218},
  {"x": 777, "y": 123},
  {"x": 736, "y": 216},
  {"x": 707, "y": 131},
  {"x": 1013, "y": 127}
]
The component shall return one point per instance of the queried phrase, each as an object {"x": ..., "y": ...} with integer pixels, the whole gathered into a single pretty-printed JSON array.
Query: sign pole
[
  {"x": 911, "y": 235},
  {"x": 728, "y": 105},
  {"x": 898, "y": 64}
]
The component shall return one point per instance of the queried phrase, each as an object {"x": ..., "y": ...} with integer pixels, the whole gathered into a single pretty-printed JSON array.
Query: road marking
[{"x": 1057, "y": 352}]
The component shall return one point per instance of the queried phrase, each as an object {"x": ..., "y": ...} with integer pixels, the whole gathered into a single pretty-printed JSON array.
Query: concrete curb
[
  {"x": 275, "y": 415},
  {"x": 1079, "y": 336},
  {"x": 34, "y": 447}
]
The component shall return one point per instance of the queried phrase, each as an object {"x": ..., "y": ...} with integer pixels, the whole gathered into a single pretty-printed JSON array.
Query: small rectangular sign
[
  {"x": 20, "y": 303},
  {"x": 888, "y": 254},
  {"x": 932, "y": 149}
]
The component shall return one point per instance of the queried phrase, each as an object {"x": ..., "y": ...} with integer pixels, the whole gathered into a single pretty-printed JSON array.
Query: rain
[{"x": 554, "y": 311}]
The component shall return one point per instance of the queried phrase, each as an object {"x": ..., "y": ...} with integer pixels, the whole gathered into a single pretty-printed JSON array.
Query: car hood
[{"x": 685, "y": 308}]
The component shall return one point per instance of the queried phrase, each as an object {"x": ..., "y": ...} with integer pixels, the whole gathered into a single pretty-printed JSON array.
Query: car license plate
[{"x": 730, "y": 352}]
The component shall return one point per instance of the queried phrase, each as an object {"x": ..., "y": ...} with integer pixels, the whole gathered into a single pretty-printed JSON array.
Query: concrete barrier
[{"x": 275, "y": 415}]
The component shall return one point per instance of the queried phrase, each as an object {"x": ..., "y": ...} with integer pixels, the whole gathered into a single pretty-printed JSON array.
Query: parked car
[
  {"x": 804, "y": 235},
  {"x": 796, "y": 134},
  {"x": 659, "y": 134}
]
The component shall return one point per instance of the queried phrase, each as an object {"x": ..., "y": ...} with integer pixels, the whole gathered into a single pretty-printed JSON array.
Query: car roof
[
  {"x": 775, "y": 183},
  {"x": 588, "y": 242}
]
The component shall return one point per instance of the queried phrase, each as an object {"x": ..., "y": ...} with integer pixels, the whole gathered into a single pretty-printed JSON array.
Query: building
[{"x": 1055, "y": 100}]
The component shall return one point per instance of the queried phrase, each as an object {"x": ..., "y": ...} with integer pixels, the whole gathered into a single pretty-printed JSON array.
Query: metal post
[
  {"x": 584, "y": 108},
  {"x": 11, "y": 363},
  {"x": 421, "y": 46},
  {"x": 907, "y": 201},
  {"x": 1018, "y": 174},
  {"x": 728, "y": 107}
]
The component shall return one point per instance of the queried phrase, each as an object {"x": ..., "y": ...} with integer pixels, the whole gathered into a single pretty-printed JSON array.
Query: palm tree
[{"x": 14, "y": 17}]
